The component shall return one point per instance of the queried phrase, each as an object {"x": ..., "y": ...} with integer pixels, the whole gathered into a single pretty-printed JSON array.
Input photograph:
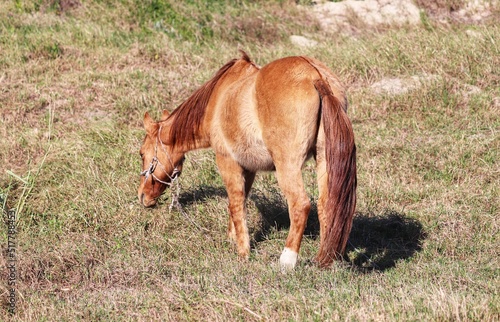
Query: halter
[{"x": 155, "y": 162}]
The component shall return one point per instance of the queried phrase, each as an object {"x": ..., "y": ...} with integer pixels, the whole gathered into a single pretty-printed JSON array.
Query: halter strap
[{"x": 155, "y": 162}]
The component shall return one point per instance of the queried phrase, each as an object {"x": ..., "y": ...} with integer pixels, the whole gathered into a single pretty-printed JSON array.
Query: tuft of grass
[{"x": 75, "y": 80}]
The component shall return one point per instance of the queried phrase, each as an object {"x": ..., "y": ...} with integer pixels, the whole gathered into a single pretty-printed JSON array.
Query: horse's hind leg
[
  {"x": 238, "y": 183},
  {"x": 292, "y": 185}
]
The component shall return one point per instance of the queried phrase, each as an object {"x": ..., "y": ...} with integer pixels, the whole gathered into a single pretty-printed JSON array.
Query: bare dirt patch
[
  {"x": 353, "y": 16},
  {"x": 443, "y": 11}
]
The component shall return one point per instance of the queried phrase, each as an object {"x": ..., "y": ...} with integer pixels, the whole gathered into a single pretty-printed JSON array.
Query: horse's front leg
[{"x": 238, "y": 182}]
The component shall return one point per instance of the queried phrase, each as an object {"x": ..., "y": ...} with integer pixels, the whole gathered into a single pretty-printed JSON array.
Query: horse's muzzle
[{"x": 146, "y": 202}]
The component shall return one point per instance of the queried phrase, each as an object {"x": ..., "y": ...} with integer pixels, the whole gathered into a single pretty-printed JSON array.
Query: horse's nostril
[{"x": 141, "y": 198}]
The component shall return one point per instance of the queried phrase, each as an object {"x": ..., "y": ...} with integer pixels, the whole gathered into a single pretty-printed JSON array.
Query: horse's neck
[
  {"x": 202, "y": 140},
  {"x": 200, "y": 137}
]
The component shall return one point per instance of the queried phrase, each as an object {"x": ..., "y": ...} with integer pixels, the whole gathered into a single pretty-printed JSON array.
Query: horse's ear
[
  {"x": 148, "y": 123},
  {"x": 165, "y": 115}
]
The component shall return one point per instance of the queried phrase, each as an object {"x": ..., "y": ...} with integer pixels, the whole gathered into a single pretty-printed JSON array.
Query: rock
[
  {"x": 302, "y": 41},
  {"x": 470, "y": 90},
  {"x": 397, "y": 86},
  {"x": 473, "y": 34},
  {"x": 391, "y": 86},
  {"x": 496, "y": 102}
]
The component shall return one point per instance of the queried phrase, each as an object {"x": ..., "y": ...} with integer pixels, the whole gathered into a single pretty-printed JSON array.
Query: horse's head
[{"x": 161, "y": 163}]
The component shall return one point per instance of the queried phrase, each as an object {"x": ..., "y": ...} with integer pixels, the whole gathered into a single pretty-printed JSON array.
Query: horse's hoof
[
  {"x": 288, "y": 259},
  {"x": 244, "y": 252}
]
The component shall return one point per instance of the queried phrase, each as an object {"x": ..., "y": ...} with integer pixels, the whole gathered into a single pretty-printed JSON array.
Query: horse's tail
[{"x": 340, "y": 191}]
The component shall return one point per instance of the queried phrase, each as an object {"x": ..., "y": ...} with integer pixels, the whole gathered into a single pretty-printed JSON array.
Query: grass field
[{"x": 75, "y": 80}]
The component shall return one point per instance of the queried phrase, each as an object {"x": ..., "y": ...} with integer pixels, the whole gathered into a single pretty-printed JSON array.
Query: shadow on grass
[
  {"x": 201, "y": 193},
  {"x": 376, "y": 242}
]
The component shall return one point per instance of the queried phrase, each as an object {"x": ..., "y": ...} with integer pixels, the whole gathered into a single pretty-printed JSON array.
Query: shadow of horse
[
  {"x": 200, "y": 194},
  {"x": 376, "y": 242}
]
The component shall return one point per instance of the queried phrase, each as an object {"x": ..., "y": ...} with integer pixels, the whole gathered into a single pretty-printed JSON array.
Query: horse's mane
[{"x": 187, "y": 117}]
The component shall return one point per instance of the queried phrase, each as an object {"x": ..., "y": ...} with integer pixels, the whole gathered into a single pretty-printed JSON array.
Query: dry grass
[{"x": 75, "y": 80}]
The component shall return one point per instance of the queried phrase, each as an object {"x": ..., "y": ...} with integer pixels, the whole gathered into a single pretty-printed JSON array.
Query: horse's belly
[
  {"x": 244, "y": 146},
  {"x": 254, "y": 157}
]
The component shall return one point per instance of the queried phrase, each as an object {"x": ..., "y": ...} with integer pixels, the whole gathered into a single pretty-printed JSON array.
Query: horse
[{"x": 270, "y": 118}]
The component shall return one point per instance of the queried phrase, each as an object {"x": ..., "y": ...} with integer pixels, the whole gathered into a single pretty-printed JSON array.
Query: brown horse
[{"x": 270, "y": 118}]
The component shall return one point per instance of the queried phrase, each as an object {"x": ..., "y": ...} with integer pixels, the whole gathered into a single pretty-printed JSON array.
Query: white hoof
[{"x": 288, "y": 259}]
